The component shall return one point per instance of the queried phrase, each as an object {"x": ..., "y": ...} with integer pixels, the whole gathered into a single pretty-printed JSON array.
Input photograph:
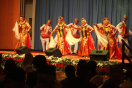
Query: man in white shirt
[
  {"x": 122, "y": 28},
  {"x": 45, "y": 34},
  {"x": 75, "y": 35}
]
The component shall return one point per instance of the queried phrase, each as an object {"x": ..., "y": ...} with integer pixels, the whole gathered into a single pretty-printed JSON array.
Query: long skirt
[
  {"x": 86, "y": 46},
  {"x": 113, "y": 48},
  {"x": 62, "y": 45},
  {"x": 24, "y": 41}
]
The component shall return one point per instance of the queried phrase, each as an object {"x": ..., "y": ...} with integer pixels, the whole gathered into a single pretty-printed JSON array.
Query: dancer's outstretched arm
[{"x": 55, "y": 29}]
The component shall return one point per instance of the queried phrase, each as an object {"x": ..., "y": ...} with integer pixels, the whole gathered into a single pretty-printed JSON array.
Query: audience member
[
  {"x": 9, "y": 65},
  {"x": 128, "y": 77},
  {"x": 47, "y": 78},
  {"x": 15, "y": 78},
  {"x": 69, "y": 82},
  {"x": 27, "y": 63},
  {"x": 38, "y": 61},
  {"x": 81, "y": 69},
  {"x": 92, "y": 76},
  {"x": 45, "y": 75},
  {"x": 116, "y": 77},
  {"x": 81, "y": 74},
  {"x": 91, "y": 66}
]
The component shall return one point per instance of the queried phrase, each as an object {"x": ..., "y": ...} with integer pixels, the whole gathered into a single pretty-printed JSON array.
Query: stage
[{"x": 70, "y": 56}]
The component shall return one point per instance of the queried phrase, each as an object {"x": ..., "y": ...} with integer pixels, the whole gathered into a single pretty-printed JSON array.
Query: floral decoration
[{"x": 60, "y": 63}]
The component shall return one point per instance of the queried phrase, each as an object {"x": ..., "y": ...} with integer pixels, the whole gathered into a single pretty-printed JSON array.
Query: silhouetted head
[
  {"x": 48, "y": 70},
  {"x": 47, "y": 76},
  {"x": 15, "y": 78},
  {"x": 9, "y": 65},
  {"x": 70, "y": 71},
  {"x": 91, "y": 65},
  {"x": 16, "y": 74},
  {"x": 39, "y": 60},
  {"x": 28, "y": 59},
  {"x": 81, "y": 69},
  {"x": 116, "y": 74}
]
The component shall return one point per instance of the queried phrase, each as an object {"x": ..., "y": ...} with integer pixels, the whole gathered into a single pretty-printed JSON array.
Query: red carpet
[{"x": 71, "y": 56}]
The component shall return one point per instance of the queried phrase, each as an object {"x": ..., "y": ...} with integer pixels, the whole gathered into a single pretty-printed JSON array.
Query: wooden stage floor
[{"x": 71, "y": 56}]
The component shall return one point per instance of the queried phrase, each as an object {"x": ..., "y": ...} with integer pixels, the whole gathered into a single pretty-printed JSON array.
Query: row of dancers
[{"x": 68, "y": 35}]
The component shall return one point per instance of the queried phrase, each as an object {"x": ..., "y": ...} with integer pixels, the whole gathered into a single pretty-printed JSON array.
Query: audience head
[
  {"x": 28, "y": 59},
  {"x": 91, "y": 65},
  {"x": 27, "y": 63},
  {"x": 15, "y": 78},
  {"x": 38, "y": 61},
  {"x": 47, "y": 76},
  {"x": 70, "y": 71},
  {"x": 45, "y": 70},
  {"x": 116, "y": 74},
  {"x": 9, "y": 64},
  {"x": 81, "y": 69}
]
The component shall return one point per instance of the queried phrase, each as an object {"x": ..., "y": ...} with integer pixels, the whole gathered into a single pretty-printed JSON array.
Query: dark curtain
[{"x": 92, "y": 10}]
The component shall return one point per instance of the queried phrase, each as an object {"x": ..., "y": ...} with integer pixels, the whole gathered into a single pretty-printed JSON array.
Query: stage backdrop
[
  {"x": 92, "y": 10},
  {"x": 9, "y": 13}
]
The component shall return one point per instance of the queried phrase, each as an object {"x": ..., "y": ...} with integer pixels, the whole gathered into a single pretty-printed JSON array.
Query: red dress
[
  {"x": 24, "y": 36},
  {"x": 87, "y": 42}
]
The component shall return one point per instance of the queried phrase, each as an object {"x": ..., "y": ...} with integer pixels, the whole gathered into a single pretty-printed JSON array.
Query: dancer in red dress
[
  {"x": 87, "y": 42},
  {"x": 61, "y": 33},
  {"x": 24, "y": 37}
]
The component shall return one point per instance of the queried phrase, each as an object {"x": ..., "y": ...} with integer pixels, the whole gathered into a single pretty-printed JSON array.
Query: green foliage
[{"x": 60, "y": 63}]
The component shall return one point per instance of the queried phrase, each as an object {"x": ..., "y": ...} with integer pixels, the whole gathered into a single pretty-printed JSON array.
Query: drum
[
  {"x": 45, "y": 35},
  {"x": 126, "y": 35}
]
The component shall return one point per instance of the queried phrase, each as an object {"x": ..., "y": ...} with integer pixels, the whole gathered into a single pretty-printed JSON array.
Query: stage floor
[{"x": 71, "y": 56}]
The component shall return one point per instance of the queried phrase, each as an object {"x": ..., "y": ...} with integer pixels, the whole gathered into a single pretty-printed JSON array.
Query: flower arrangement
[{"x": 60, "y": 63}]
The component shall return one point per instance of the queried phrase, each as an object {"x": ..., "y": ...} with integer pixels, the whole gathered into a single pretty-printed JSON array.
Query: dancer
[
  {"x": 108, "y": 38},
  {"x": 21, "y": 32},
  {"x": 45, "y": 34},
  {"x": 75, "y": 35},
  {"x": 123, "y": 33},
  {"x": 87, "y": 42},
  {"x": 61, "y": 32}
]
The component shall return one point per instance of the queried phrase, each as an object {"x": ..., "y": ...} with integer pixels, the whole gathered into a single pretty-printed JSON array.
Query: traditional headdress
[
  {"x": 61, "y": 18},
  {"x": 83, "y": 19},
  {"x": 107, "y": 20},
  {"x": 23, "y": 18}
]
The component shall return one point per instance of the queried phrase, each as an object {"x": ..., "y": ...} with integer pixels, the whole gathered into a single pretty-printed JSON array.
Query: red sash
[{"x": 76, "y": 36}]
